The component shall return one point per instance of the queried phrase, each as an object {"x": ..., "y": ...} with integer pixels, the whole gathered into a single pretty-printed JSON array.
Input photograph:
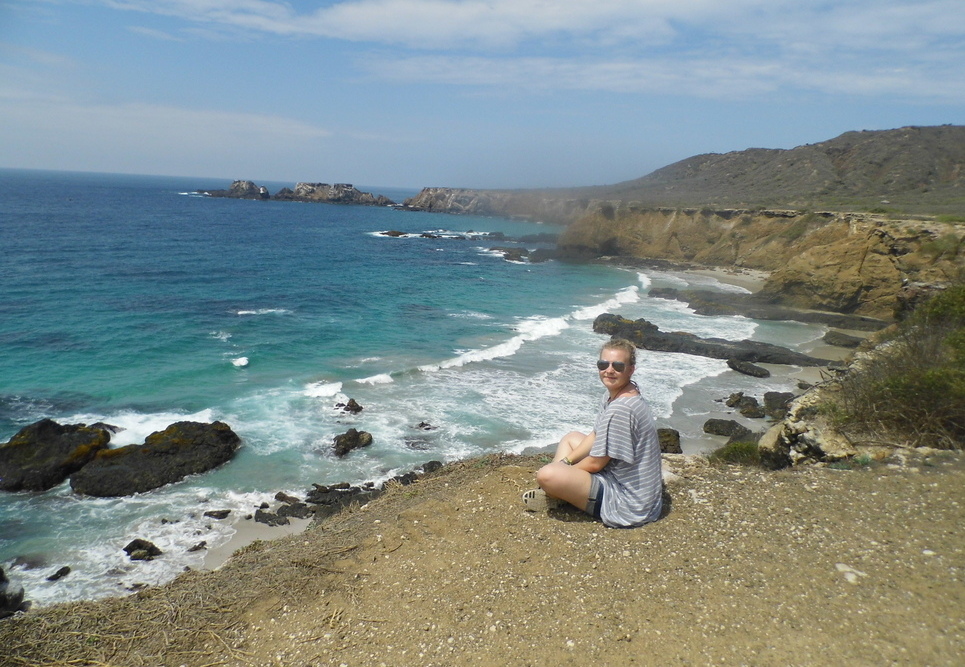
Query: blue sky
[{"x": 470, "y": 93}]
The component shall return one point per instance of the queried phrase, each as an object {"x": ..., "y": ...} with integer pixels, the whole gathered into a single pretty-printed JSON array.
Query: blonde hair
[{"x": 622, "y": 344}]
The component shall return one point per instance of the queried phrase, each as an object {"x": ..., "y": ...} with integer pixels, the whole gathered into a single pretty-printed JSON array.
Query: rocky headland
[{"x": 339, "y": 193}]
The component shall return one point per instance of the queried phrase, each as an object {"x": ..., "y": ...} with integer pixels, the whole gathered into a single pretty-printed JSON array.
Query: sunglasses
[{"x": 618, "y": 366}]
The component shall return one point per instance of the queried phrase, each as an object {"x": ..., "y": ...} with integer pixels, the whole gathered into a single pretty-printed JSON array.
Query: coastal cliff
[{"x": 841, "y": 262}]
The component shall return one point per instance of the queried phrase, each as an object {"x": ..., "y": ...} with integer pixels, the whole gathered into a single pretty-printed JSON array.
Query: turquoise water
[{"x": 130, "y": 301}]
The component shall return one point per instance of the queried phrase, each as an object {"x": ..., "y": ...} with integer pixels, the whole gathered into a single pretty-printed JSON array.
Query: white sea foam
[
  {"x": 471, "y": 315},
  {"x": 265, "y": 311},
  {"x": 382, "y": 378},
  {"x": 529, "y": 329},
  {"x": 134, "y": 427},
  {"x": 223, "y": 336},
  {"x": 240, "y": 362},
  {"x": 323, "y": 389},
  {"x": 628, "y": 295}
]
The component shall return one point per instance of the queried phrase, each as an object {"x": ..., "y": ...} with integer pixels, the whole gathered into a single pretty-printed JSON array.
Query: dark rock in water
[
  {"x": 746, "y": 405},
  {"x": 747, "y": 368},
  {"x": 30, "y": 561},
  {"x": 393, "y": 233},
  {"x": 669, "y": 441},
  {"x": 295, "y": 511},
  {"x": 512, "y": 254},
  {"x": 776, "y": 402},
  {"x": 110, "y": 428},
  {"x": 839, "y": 339},
  {"x": 44, "y": 454},
  {"x": 425, "y": 426},
  {"x": 543, "y": 255},
  {"x": 352, "y": 406},
  {"x": 646, "y": 335},
  {"x": 431, "y": 466},
  {"x": 240, "y": 190},
  {"x": 726, "y": 427},
  {"x": 198, "y": 547},
  {"x": 351, "y": 439},
  {"x": 59, "y": 574},
  {"x": 139, "y": 549},
  {"x": 182, "y": 449},
  {"x": 270, "y": 518},
  {"x": 10, "y": 601},
  {"x": 217, "y": 514},
  {"x": 285, "y": 498}
]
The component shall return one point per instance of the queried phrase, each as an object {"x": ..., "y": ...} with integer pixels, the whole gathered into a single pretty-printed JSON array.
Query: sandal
[{"x": 536, "y": 500}]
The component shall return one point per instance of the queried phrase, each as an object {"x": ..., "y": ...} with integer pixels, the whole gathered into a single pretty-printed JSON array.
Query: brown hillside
[{"x": 914, "y": 169}]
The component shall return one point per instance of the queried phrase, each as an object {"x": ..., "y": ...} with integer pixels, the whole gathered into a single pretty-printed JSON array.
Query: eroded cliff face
[{"x": 850, "y": 263}]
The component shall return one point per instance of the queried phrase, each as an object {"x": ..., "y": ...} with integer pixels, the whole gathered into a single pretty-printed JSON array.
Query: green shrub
[
  {"x": 915, "y": 388},
  {"x": 737, "y": 453}
]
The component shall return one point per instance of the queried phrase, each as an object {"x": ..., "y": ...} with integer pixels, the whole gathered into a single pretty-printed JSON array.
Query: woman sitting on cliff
[{"x": 614, "y": 472}]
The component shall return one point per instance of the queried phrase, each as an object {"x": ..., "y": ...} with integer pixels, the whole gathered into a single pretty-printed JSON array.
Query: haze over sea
[{"x": 130, "y": 300}]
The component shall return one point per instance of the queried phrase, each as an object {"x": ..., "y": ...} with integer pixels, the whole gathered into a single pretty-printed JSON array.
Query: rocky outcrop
[
  {"x": 351, "y": 439},
  {"x": 167, "y": 456},
  {"x": 141, "y": 549},
  {"x": 11, "y": 601},
  {"x": 240, "y": 190},
  {"x": 837, "y": 262},
  {"x": 648, "y": 336},
  {"x": 44, "y": 454},
  {"x": 339, "y": 193},
  {"x": 804, "y": 436},
  {"x": 747, "y": 368},
  {"x": 669, "y": 441}
]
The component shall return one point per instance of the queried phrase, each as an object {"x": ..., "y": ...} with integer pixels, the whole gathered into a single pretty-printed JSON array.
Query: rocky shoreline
[{"x": 293, "y": 514}]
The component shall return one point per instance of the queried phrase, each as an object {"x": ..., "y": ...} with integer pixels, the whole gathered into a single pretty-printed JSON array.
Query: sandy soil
[{"x": 813, "y": 566}]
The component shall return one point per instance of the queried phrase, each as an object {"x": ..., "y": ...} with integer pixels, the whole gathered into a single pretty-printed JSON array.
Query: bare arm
[{"x": 580, "y": 456}]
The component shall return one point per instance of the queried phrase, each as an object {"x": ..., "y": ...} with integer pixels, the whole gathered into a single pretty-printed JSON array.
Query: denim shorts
[{"x": 595, "y": 501}]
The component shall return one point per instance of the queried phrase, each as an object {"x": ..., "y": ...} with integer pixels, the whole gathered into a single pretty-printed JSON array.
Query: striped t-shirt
[{"x": 632, "y": 480}]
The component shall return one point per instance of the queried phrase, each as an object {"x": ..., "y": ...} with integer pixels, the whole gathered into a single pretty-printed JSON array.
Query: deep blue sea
[{"x": 130, "y": 300}]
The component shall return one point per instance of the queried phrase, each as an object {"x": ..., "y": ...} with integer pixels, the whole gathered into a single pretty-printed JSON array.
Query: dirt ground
[{"x": 811, "y": 566}]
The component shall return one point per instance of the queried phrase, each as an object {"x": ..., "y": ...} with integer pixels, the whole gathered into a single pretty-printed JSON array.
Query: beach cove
[{"x": 266, "y": 316}]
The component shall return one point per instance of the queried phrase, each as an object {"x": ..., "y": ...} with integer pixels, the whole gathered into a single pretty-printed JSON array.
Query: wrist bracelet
[{"x": 566, "y": 460}]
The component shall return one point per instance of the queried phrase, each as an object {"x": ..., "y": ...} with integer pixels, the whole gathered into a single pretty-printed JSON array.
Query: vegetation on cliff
[{"x": 913, "y": 390}]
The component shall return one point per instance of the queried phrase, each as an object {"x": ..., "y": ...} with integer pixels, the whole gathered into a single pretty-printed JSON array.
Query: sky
[{"x": 459, "y": 93}]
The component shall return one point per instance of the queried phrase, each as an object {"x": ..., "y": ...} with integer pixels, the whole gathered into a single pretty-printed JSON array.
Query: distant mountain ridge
[{"x": 917, "y": 169}]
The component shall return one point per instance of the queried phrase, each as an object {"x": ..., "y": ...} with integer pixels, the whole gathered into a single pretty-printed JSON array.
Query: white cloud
[
  {"x": 422, "y": 24},
  {"x": 737, "y": 77},
  {"x": 697, "y": 47}
]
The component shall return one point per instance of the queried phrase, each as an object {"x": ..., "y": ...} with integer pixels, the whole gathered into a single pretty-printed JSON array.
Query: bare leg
[
  {"x": 566, "y": 483},
  {"x": 562, "y": 481},
  {"x": 566, "y": 446}
]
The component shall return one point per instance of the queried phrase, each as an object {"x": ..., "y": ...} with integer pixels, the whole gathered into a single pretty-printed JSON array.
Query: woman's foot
[{"x": 536, "y": 500}]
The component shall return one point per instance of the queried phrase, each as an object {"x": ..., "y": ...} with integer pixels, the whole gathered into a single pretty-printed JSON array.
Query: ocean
[{"x": 133, "y": 301}]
